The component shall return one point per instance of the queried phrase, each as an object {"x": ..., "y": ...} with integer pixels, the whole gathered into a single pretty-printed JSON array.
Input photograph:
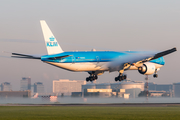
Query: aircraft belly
[{"x": 79, "y": 66}]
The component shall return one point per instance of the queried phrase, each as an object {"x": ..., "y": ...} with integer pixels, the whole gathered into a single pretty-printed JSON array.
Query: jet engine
[{"x": 147, "y": 69}]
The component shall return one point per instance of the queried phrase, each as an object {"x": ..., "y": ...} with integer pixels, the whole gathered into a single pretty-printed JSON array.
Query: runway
[{"x": 103, "y": 105}]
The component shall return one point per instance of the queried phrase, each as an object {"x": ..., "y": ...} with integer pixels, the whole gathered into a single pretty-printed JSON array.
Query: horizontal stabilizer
[{"x": 25, "y": 57}]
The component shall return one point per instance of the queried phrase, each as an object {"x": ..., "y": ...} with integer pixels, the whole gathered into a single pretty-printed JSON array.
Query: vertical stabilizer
[{"x": 51, "y": 43}]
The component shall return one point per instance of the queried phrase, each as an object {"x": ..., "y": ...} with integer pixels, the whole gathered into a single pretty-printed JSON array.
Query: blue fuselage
[{"x": 95, "y": 56}]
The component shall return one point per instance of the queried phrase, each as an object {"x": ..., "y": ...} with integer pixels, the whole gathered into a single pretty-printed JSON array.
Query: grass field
[{"x": 88, "y": 113}]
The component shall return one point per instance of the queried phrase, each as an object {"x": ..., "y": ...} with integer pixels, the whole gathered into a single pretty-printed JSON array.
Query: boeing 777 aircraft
[{"x": 97, "y": 62}]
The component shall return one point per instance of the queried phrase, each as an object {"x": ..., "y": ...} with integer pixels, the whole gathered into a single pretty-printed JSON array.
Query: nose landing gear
[{"x": 155, "y": 74}]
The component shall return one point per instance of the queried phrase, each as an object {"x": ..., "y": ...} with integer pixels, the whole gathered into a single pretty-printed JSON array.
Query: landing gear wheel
[
  {"x": 87, "y": 79},
  {"x": 96, "y": 77},
  {"x": 116, "y": 79},
  {"x": 125, "y": 76},
  {"x": 155, "y": 75},
  {"x": 91, "y": 78},
  {"x": 120, "y": 78}
]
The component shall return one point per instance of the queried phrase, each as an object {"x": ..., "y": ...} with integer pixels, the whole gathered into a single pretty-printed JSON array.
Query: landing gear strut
[{"x": 120, "y": 77}]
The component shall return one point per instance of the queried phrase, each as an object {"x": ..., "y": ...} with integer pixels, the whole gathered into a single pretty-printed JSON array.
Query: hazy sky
[{"x": 82, "y": 25}]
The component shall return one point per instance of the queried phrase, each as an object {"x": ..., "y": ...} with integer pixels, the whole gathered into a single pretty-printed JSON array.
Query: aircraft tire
[
  {"x": 91, "y": 78},
  {"x": 155, "y": 75},
  {"x": 87, "y": 79},
  {"x": 116, "y": 79},
  {"x": 125, "y": 76}
]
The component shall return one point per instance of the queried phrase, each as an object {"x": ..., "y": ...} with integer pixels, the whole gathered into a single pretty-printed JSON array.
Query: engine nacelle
[{"x": 147, "y": 69}]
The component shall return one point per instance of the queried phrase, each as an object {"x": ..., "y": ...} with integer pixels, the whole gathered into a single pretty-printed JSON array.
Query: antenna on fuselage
[{"x": 93, "y": 49}]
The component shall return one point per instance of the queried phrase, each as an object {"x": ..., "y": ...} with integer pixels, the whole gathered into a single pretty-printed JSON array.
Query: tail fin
[{"x": 51, "y": 43}]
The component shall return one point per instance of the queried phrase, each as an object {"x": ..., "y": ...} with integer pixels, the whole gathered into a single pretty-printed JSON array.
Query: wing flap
[{"x": 60, "y": 57}]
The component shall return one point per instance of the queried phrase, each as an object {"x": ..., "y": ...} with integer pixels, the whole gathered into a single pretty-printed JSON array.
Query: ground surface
[{"x": 88, "y": 113}]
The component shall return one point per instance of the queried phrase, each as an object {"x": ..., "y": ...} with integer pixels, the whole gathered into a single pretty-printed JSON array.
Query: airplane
[
  {"x": 35, "y": 96},
  {"x": 97, "y": 62}
]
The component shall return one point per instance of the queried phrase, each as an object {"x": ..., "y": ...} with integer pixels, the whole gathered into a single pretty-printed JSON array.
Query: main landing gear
[
  {"x": 92, "y": 78},
  {"x": 120, "y": 77}
]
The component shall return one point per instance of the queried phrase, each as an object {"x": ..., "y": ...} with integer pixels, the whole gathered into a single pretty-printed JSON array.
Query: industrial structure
[
  {"x": 25, "y": 84},
  {"x": 120, "y": 89},
  {"x": 176, "y": 88},
  {"x": 9, "y": 94},
  {"x": 160, "y": 87}
]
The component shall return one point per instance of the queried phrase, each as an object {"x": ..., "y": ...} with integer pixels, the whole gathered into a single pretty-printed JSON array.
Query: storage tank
[
  {"x": 116, "y": 85},
  {"x": 132, "y": 84},
  {"x": 134, "y": 92},
  {"x": 126, "y": 84},
  {"x": 176, "y": 87},
  {"x": 103, "y": 86}
]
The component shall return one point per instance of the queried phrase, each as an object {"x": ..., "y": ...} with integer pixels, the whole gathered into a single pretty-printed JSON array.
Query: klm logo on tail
[{"x": 52, "y": 43}]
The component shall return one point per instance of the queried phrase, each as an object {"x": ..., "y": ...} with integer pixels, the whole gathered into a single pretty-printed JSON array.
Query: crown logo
[{"x": 51, "y": 38}]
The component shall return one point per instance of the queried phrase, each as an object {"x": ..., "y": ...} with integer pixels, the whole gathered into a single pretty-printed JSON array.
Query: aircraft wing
[
  {"x": 136, "y": 59},
  {"x": 157, "y": 55}
]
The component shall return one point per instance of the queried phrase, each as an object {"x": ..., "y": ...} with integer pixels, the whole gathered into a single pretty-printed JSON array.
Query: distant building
[
  {"x": 156, "y": 93},
  {"x": 25, "y": 84},
  {"x": 66, "y": 87},
  {"x": 160, "y": 87},
  {"x": 38, "y": 87},
  {"x": 176, "y": 88},
  {"x": 97, "y": 92},
  {"x": 8, "y": 94},
  {"x": 6, "y": 86}
]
